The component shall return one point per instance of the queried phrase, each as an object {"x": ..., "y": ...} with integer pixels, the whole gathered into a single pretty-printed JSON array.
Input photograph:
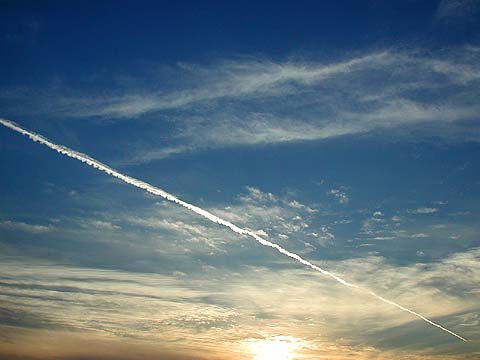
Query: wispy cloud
[
  {"x": 228, "y": 79},
  {"x": 424, "y": 210},
  {"x": 389, "y": 91},
  {"x": 31, "y": 228},
  {"x": 101, "y": 225},
  {"x": 251, "y": 101},
  {"x": 283, "y": 218},
  {"x": 419, "y": 235},
  {"x": 457, "y": 10},
  {"x": 226, "y": 308},
  {"x": 340, "y": 195}
]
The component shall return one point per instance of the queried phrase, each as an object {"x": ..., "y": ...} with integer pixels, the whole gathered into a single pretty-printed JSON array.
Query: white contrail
[{"x": 156, "y": 191}]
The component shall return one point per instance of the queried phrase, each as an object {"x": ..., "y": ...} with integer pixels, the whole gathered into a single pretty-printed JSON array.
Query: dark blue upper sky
[{"x": 41, "y": 40}]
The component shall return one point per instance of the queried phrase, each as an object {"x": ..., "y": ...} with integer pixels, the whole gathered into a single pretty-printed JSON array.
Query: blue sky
[{"x": 346, "y": 132}]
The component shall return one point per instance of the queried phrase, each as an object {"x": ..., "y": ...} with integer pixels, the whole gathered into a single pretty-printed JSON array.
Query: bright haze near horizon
[{"x": 346, "y": 132}]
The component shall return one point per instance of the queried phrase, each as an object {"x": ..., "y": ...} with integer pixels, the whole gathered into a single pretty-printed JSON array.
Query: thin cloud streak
[
  {"x": 35, "y": 229},
  {"x": 159, "y": 192}
]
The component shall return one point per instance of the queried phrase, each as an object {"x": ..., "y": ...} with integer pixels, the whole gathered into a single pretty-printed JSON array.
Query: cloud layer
[
  {"x": 202, "y": 310},
  {"x": 252, "y": 101}
]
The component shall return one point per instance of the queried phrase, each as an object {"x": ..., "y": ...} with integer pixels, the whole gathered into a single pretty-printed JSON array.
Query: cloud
[
  {"x": 230, "y": 79},
  {"x": 84, "y": 345},
  {"x": 456, "y": 10},
  {"x": 282, "y": 218},
  {"x": 339, "y": 195},
  {"x": 419, "y": 235},
  {"x": 381, "y": 95},
  {"x": 218, "y": 310},
  {"x": 101, "y": 225},
  {"x": 424, "y": 210},
  {"x": 184, "y": 231},
  {"x": 374, "y": 224},
  {"x": 244, "y": 77},
  {"x": 167, "y": 230},
  {"x": 218, "y": 220},
  {"x": 383, "y": 238},
  {"x": 415, "y": 231},
  {"x": 30, "y": 228},
  {"x": 256, "y": 102}
]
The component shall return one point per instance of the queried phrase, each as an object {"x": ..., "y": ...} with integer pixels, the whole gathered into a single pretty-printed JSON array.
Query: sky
[{"x": 346, "y": 132}]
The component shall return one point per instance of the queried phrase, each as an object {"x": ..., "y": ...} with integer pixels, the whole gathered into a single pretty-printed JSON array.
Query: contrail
[{"x": 159, "y": 192}]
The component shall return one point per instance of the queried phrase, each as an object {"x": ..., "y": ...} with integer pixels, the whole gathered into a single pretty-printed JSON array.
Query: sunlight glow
[{"x": 276, "y": 348}]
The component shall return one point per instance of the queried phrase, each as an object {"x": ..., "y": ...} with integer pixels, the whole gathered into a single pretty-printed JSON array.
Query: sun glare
[{"x": 276, "y": 348}]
